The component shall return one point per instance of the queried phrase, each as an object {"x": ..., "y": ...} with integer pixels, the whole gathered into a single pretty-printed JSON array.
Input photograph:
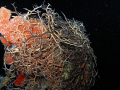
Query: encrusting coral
[{"x": 45, "y": 52}]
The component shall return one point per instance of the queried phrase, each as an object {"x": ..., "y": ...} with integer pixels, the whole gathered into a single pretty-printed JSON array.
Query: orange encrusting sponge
[
  {"x": 20, "y": 80},
  {"x": 8, "y": 59},
  {"x": 18, "y": 30},
  {"x": 4, "y": 15},
  {"x": 4, "y": 41}
]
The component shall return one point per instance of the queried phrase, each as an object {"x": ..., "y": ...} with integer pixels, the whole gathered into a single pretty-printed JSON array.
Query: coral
[{"x": 45, "y": 51}]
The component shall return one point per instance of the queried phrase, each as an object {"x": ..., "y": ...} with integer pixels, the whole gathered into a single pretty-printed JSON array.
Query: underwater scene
[{"x": 44, "y": 51}]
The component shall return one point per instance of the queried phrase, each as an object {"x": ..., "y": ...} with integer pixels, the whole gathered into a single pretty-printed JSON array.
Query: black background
[{"x": 102, "y": 22}]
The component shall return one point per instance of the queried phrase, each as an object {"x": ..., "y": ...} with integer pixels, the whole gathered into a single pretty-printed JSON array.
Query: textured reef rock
[{"x": 45, "y": 52}]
